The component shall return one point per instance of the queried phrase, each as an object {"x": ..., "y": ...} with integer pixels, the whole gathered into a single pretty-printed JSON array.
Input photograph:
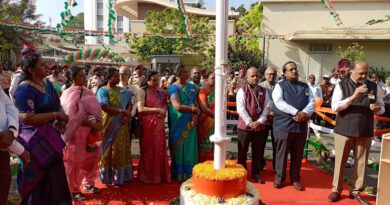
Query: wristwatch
[{"x": 15, "y": 132}]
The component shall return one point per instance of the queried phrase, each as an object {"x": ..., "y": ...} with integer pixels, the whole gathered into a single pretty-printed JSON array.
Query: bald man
[
  {"x": 195, "y": 77},
  {"x": 355, "y": 100},
  {"x": 253, "y": 109}
]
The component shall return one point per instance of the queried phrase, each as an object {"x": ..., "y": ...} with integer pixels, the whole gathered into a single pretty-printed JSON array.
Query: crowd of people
[{"x": 75, "y": 124}]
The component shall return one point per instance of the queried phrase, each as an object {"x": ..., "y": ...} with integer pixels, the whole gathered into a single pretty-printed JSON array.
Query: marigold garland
[{"x": 231, "y": 171}]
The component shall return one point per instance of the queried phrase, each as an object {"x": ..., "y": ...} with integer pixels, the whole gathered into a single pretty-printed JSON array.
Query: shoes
[
  {"x": 91, "y": 189},
  {"x": 298, "y": 186},
  {"x": 258, "y": 179},
  {"x": 359, "y": 199},
  {"x": 334, "y": 196},
  {"x": 278, "y": 185},
  {"x": 78, "y": 196}
]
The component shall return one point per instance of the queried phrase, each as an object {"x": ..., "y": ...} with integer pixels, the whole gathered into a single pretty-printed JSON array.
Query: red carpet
[{"x": 317, "y": 183}]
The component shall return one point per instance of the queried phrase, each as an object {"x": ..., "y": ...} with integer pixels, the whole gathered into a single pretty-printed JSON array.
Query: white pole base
[{"x": 220, "y": 151}]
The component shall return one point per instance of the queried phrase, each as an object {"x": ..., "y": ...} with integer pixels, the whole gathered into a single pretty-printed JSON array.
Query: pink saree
[
  {"x": 78, "y": 103},
  {"x": 153, "y": 166}
]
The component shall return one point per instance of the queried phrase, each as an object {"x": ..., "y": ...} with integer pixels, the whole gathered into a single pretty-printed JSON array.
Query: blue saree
[{"x": 46, "y": 169}]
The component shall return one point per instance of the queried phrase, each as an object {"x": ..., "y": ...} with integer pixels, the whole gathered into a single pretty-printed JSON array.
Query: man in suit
[
  {"x": 294, "y": 103},
  {"x": 355, "y": 100}
]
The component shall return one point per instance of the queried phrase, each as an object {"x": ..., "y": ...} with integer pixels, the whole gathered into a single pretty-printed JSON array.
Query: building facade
[
  {"x": 96, "y": 18},
  {"x": 312, "y": 36},
  {"x": 136, "y": 11},
  {"x": 193, "y": 3}
]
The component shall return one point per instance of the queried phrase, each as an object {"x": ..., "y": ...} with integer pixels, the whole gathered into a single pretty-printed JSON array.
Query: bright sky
[{"x": 48, "y": 9}]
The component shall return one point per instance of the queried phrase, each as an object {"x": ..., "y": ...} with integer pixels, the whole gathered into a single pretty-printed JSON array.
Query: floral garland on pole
[
  {"x": 66, "y": 15},
  {"x": 336, "y": 17},
  {"x": 184, "y": 17},
  {"x": 49, "y": 30},
  {"x": 93, "y": 53},
  {"x": 111, "y": 20},
  {"x": 376, "y": 21}
]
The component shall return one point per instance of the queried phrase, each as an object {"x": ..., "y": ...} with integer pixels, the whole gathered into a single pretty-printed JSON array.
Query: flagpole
[{"x": 221, "y": 60}]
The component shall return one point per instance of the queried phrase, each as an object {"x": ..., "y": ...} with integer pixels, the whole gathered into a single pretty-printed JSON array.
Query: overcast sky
[{"x": 50, "y": 10}]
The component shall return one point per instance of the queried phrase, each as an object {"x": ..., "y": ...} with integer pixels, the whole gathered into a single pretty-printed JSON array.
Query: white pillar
[
  {"x": 126, "y": 25},
  {"x": 90, "y": 20},
  {"x": 221, "y": 59},
  {"x": 106, "y": 13}
]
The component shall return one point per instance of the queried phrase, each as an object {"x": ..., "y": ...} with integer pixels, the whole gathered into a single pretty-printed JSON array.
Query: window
[
  {"x": 100, "y": 29},
  {"x": 100, "y": 5},
  {"x": 320, "y": 48},
  {"x": 119, "y": 30},
  {"x": 120, "y": 18},
  {"x": 100, "y": 17}
]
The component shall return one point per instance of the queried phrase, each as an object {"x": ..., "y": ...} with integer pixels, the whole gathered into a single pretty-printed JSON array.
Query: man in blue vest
[
  {"x": 294, "y": 103},
  {"x": 355, "y": 100}
]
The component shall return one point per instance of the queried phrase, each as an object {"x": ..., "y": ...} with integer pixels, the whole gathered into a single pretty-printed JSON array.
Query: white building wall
[
  {"x": 287, "y": 17},
  {"x": 90, "y": 20}
]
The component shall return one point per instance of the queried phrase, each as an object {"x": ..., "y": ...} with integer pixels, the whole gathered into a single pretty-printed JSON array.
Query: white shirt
[
  {"x": 387, "y": 94},
  {"x": 334, "y": 81},
  {"x": 14, "y": 84},
  {"x": 340, "y": 105},
  {"x": 134, "y": 92},
  {"x": 283, "y": 106},
  {"x": 241, "y": 108},
  {"x": 9, "y": 117},
  {"x": 316, "y": 89}
]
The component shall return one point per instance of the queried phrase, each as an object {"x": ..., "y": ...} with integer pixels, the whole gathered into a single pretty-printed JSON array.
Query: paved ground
[{"x": 327, "y": 140}]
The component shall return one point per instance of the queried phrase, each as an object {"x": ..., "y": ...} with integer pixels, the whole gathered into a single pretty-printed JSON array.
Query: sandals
[
  {"x": 78, "y": 196},
  {"x": 91, "y": 189}
]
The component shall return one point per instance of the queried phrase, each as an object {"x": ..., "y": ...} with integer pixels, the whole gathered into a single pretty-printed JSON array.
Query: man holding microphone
[{"x": 355, "y": 100}]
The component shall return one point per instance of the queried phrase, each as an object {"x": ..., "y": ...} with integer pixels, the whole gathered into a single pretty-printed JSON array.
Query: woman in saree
[
  {"x": 115, "y": 163},
  {"x": 182, "y": 122},
  {"x": 85, "y": 118},
  {"x": 43, "y": 180},
  {"x": 152, "y": 106},
  {"x": 206, "y": 118}
]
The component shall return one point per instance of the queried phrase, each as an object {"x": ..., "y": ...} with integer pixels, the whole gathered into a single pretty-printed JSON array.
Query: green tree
[
  {"x": 169, "y": 22},
  {"x": 77, "y": 23},
  {"x": 353, "y": 52},
  {"x": 18, "y": 12},
  {"x": 243, "y": 50},
  {"x": 241, "y": 10}
]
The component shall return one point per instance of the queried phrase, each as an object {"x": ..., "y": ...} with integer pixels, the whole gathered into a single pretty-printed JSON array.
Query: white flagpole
[{"x": 221, "y": 60}]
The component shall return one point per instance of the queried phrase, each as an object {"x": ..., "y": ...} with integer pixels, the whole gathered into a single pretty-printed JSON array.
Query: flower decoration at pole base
[{"x": 194, "y": 197}]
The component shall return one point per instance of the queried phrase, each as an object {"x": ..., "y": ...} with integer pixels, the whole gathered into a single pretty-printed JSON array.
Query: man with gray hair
[
  {"x": 270, "y": 75},
  {"x": 355, "y": 100},
  {"x": 124, "y": 75}
]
